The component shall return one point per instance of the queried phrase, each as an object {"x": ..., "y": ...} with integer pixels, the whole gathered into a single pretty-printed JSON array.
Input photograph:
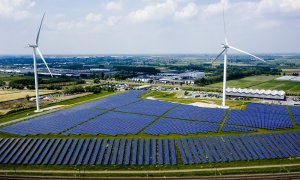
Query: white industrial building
[{"x": 256, "y": 93}]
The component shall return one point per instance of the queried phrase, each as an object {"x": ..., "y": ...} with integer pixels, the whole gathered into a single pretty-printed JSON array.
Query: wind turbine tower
[
  {"x": 35, "y": 48},
  {"x": 225, "y": 47}
]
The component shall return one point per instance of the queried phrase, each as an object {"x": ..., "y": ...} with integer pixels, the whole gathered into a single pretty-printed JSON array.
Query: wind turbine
[
  {"x": 225, "y": 47},
  {"x": 35, "y": 48}
]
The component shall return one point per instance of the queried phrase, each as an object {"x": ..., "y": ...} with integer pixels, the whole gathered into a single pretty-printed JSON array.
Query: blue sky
[{"x": 149, "y": 26}]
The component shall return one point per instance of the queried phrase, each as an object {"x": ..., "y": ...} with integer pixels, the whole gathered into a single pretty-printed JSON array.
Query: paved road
[{"x": 148, "y": 171}]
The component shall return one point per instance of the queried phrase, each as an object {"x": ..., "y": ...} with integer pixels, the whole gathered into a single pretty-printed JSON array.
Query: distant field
[
  {"x": 13, "y": 94},
  {"x": 261, "y": 82},
  {"x": 288, "y": 86},
  {"x": 246, "y": 82}
]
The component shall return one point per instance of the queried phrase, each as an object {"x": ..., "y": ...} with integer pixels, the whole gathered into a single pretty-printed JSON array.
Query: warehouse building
[{"x": 256, "y": 93}]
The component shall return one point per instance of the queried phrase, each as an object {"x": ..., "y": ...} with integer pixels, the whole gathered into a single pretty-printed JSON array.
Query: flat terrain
[
  {"x": 8, "y": 95},
  {"x": 261, "y": 82}
]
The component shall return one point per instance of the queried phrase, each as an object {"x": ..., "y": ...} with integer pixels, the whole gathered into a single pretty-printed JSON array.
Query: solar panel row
[{"x": 149, "y": 151}]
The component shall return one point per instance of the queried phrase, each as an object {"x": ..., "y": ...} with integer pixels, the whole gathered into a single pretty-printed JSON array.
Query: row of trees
[
  {"x": 94, "y": 89},
  {"x": 236, "y": 73},
  {"x": 51, "y": 83}
]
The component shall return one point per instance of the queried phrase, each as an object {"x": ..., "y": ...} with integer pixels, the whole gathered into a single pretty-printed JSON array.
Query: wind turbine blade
[
  {"x": 38, "y": 35},
  {"x": 39, "y": 52},
  {"x": 247, "y": 53},
  {"x": 224, "y": 23},
  {"x": 218, "y": 56}
]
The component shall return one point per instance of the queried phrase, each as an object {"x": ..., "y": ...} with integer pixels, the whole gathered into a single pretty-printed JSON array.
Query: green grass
[
  {"x": 261, "y": 82},
  {"x": 246, "y": 82}
]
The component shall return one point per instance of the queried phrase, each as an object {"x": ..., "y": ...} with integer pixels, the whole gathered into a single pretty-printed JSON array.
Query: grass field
[
  {"x": 261, "y": 82},
  {"x": 9, "y": 95}
]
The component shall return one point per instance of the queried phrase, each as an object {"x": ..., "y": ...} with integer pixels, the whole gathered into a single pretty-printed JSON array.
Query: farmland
[{"x": 8, "y": 95}]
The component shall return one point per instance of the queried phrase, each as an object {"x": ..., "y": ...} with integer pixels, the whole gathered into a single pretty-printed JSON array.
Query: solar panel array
[
  {"x": 139, "y": 151},
  {"x": 148, "y": 107},
  {"x": 53, "y": 123},
  {"x": 296, "y": 113},
  {"x": 113, "y": 123},
  {"x": 261, "y": 116},
  {"x": 126, "y": 113},
  {"x": 197, "y": 113},
  {"x": 174, "y": 126}
]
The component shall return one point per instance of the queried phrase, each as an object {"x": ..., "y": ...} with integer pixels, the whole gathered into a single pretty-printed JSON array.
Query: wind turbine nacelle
[{"x": 224, "y": 46}]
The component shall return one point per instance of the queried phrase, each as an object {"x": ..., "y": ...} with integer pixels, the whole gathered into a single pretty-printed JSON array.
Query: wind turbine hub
[
  {"x": 225, "y": 46},
  {"x": 33, "y": 46}
]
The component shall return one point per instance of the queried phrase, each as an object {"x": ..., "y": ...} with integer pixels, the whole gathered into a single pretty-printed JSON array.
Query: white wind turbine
[
  {"x": 225, "y": 47},
  {"x": 35, "y": 48}
]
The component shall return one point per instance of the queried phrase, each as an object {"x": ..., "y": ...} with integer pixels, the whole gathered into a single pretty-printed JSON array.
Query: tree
[{"x": 96, "y": 81}]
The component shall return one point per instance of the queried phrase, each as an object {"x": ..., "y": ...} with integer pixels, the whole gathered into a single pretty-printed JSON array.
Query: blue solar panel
[
  {"x": 166, "y": 152},
  {"x": 64, "y": 152},
  {"x": 149, "y": 107},
  {"x": 259, "y": 116},
  {"x": 226, "y": 150},
  {"x": 128, "y": 149},
  {"x": 122, "y": 124},
  {"x": 173, "y": 126},
  {"x": 122, "y": 149},
  {"x": 45, "y": 151},
  {"x": 96, "y": 151},
  {"x": 57, "y": 152},
  {"x": 13, "y": 151},
  {"x": 19, "y": 152},
  {"x": 197, "y": 113},
  {"x": 89, "y": 153},
  {"x": 206, "y": 150},
  {"x": 182, "y": 154},
  {"x": 194, "y": 151},
  {"x": 101, "y": 154},
  {"x": 10, "y": 147},
  {"x": 147, "y": 152},
  {"x": 242, "y": 148},
  {"x": 38, "y": 148},
  {"x": 115, "y": 153},
  {"x": 237, "y": 148},
  {"x": 200, "y": 150},
  {"x": 134, "y": 152},
  {"x": 70, "y": 152},
  {"x": 141, "y": 152},
  {"x": 173, "y": 152},
  {"x": 52, "y": 123},
  {"x": 188, "y": 152},
  {"x": 82, "y": 153},
  {"x": 108, "y": 152},
  {"x": 76, "y": 152},
  {"x": 153, "y": 153},
  {"x": 52, "y": 150},
  {"x": 218, "y": 149},
  {"x": 160, "y": 152},
  {"x": 248, "y": 147}
]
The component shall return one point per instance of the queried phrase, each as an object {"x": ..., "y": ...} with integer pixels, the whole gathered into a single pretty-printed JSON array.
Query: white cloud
[
  {"x": 267, "y": 25},
  {"x": 113, "y": 20},
  {"x": 187, "y": 12},
  {"x": 216, "y": 8},
  {"x": 154, "y": 12},
  {"x": 113, "y": 6},
  {"x": 15, "y": 9},
  {"x": 284, "y": 6},
  {"x": 93, "y": 17}
]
